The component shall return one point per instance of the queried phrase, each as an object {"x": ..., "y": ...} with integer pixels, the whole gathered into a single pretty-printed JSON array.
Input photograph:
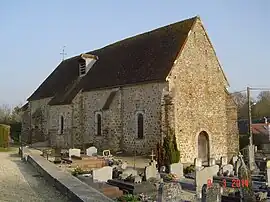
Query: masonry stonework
[
  {"x": 39, "y": 117},
  {"x": 232, "y": 127},
  {"x": 198, "y": 86},
  {"x": 119, "y": 121},
  {"x": 193, "y": 99}
]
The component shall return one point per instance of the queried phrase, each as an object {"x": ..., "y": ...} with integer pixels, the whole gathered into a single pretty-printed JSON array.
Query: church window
[
  {"x": 140, "y": 125},
  {"x": 98, "y": 123},
  {"x": 61, "y": 125},
  {"x": 82, "y": 68}
]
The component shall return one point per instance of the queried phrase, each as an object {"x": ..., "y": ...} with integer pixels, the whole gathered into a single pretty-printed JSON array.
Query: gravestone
[
  {"x": 268, "y": 172},
  {"x": 128, "y": 172},
  {"x": 162, "y": 169},
  {"x": 203, "y": 176},
  {"x": 227, "y": 170},
  {"x": 102, "y": 174},
  {"x": 138, "y": 179},
  {"x": 212, "y": 193},
  {"x": 74, "y": 152},
  {"x": 124, "y": 166},
  {"x": 212, "y": 162},
  {"x": 91, "y": 151},
  {"x": 151, "y": 171},
  {"x": 223, "y": 160},
  {"x": 198, "y": 163},
  {"x": 234, "y": 160},
  {"x": 106, "y": 153},
  {"x": 172, "y": 191},
  {"x": 177, "y": 169}
]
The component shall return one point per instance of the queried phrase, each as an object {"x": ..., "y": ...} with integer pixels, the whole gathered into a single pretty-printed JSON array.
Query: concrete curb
[{"x": 67, "y": 184}]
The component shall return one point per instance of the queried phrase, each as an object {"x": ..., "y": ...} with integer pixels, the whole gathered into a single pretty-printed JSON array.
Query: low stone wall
[{"x": 68, "y": 185}]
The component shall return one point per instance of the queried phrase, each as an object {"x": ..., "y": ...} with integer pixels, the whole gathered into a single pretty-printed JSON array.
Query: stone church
[{"x": 127, "y": 95}]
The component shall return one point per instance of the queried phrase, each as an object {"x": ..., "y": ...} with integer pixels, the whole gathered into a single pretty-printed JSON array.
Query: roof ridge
[{"x": 144, "y": 33}]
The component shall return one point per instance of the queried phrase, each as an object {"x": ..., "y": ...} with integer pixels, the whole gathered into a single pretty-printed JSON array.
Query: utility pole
[
  {"x": 251, "y": 149},
  {"x": 249, "y": 117}
]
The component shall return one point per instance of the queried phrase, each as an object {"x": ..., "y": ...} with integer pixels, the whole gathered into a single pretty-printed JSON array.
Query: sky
[{"x": 33, "y": 33}]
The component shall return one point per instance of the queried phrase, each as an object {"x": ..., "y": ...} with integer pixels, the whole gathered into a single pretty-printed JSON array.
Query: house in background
[
  {"x": 260, "y": 131},
  {"x": 128, "y": 95}
]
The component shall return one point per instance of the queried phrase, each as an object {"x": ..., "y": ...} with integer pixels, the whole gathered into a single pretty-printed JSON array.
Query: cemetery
[{"x": 121, "y": 180}]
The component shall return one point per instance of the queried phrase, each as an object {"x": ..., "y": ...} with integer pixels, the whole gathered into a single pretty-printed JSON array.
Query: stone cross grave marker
[
  {"x": 91, "y": 151},
  {"x": 152, "y": 155},
  {"x": 103, "y": 174},
  {"x": 74, "y": 152}
]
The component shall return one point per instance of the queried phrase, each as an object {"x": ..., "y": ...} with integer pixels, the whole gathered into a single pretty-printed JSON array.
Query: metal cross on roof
[{"x": 63, "y": 53}]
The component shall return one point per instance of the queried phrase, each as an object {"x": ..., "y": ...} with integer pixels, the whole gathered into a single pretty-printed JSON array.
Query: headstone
[
  {"x": 234, "y": 160},
  {"x": 198, "y": 163},
  {"x": 227, "y": 169},
  {"x": 268, "y": 172},
  {"x": 177, "y": 169},
  {"x": 223, "y": 160},
  {"x": 151, "y": 171},
  {"x": 91, "y": 151},
  {"x": 213, "y": 193},
  {"x": 212, "y": 162},
  {"x": 103, "y": 174},
  {"x": 124, "y": 166},
  {"x": 138, "y": 179},
  {"x": 107, "y": 153},
  {"x": 237, "y": 166},
  {"x": 128, "y": 172},
  {"x": 162, "y": 169},
  {"x": 203, "y": 176},
  {"x": 74, "y": 152},
  {"x": 172, "y": 192}
]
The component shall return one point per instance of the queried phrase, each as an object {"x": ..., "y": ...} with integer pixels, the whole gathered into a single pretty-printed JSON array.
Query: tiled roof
[{"x": 143, "y": 58}]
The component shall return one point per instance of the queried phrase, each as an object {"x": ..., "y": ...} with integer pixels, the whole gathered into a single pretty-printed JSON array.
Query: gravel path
[{"x": 20, "y": 182}]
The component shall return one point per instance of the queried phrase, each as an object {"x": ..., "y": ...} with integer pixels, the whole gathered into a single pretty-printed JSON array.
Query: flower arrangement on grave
[
  {"x": 189, "y": 169},
  {"x": 170, "y": 177},
  {"x": 78, "y": 171},
  {"x": 128, "y": 198}
]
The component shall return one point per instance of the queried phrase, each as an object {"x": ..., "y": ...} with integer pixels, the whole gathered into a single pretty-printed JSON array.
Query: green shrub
[
  {"x": 128, "y": 198},
  {"x": 172, "y": 154},
  {"x": 189, "y": 169},
  {"x": 4, "y": 135}
]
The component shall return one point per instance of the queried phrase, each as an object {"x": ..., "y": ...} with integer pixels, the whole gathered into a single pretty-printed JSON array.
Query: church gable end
[{"x": 197, "y": 83}]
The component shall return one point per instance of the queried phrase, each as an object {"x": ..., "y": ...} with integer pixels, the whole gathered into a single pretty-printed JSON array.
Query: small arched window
[
  {"x": 98, "y": 123},
  {"x": 61, "y": 125},
  {"x": 140, "y": 128}
]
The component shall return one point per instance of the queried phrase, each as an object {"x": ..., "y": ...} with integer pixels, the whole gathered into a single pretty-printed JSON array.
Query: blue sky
[{"x": 32, "y": 34}]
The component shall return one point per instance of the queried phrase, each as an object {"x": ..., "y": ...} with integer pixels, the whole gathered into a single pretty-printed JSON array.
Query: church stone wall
[
  {"x": 111, "y": 122},
  {"x": 232, "y": 127},
  {"x": 119, "y": 121},
  {"x": 197, "y": 85},
  {"x": 56, "y": 139},
  {"x": 144, "y": 99},
  {"x": 39, "y": 117}
]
